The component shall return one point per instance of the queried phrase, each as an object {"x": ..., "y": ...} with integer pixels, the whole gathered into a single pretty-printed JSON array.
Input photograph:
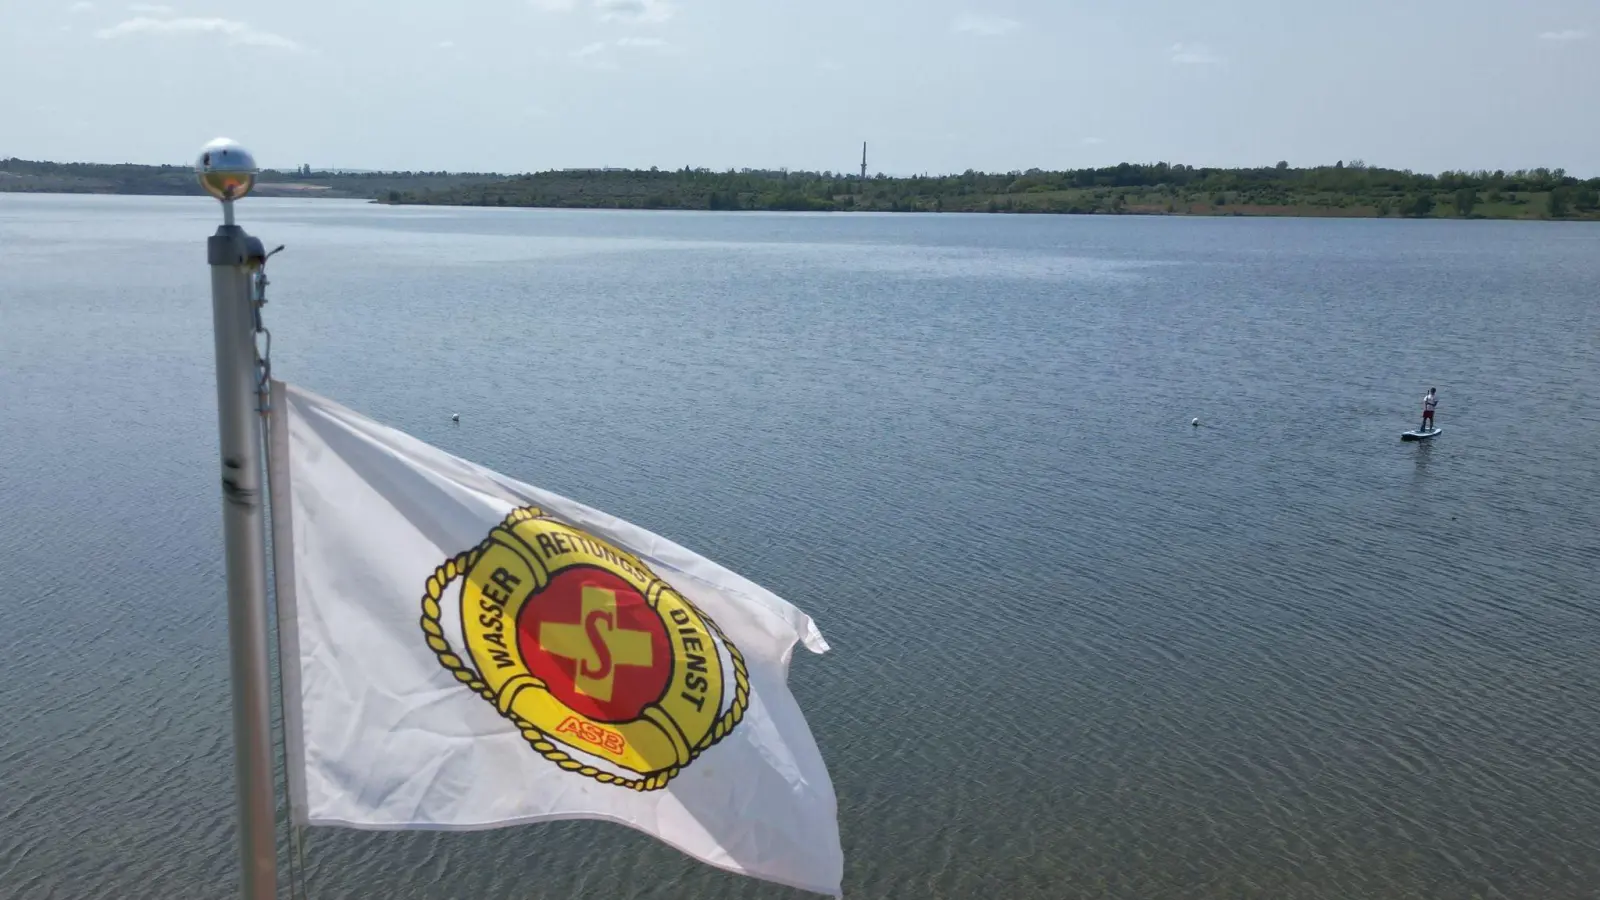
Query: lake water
[{"x": 1081, "y": 648}]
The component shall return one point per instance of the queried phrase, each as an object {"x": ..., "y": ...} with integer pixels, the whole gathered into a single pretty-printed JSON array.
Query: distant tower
[{"x": 863, "y": 161}]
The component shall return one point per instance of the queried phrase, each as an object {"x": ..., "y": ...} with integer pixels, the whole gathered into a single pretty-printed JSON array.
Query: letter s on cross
[{"x": 591, "y": 624}]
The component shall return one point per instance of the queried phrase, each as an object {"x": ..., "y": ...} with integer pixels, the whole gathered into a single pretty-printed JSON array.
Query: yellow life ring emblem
[{"x": 605, "y": 669}]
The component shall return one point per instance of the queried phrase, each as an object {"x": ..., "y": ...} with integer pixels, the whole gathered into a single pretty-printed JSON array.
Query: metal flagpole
[{"x": 227, "y": 171}]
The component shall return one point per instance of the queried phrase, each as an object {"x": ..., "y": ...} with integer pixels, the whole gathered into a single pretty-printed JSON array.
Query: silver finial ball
[{"x": 226, "y": 170}]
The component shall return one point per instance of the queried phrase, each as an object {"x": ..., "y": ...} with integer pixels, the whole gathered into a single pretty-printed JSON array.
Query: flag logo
[{"x": 606, "y": 670}]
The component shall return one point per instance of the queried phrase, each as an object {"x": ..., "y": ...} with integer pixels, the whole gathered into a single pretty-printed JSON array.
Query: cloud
[
  {"x": 553, "y": 5},
  {"x": 600, "y": 54},
  {"x": 830, "y": 65},
  {"x": 987, "y": 26},
  {"x": 235, "y": 32},
  {"x": 82, "y": 6},
  {"x": 634, "y": 10},
  {"x": 1570, "y": 34},
  {"x": 597, "y": 55},
  {"x": 1194, "y": 55},
  {"x": 1092, "y": 141},
  {"x": 151, "y": 9},
  {"x": 446, "y": 45}
]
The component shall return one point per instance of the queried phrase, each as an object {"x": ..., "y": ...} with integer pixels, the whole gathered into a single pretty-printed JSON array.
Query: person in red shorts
[{"x": 1429, "y": 401}]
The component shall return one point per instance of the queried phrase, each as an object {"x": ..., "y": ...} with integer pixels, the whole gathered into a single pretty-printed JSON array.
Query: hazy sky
[{"x": 933, "y": 85}]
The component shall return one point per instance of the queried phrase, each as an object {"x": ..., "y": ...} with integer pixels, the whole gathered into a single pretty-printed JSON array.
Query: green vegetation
[
  {"x": 21, "y": 175},
  {"x": 1160, "y": 189},
  {"x": 91, "y": 178},
  {"x": 1353, "y": 189}
]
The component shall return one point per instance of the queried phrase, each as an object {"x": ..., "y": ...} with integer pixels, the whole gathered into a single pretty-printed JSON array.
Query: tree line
[
  {"x": 1344, "y": 188},
  {"x": 1340, "y": 189}
]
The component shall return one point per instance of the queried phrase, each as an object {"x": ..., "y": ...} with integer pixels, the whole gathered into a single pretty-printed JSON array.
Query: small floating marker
[
  {"x": 1196, "y": 422},
  {"x": 455, "y": 417}
]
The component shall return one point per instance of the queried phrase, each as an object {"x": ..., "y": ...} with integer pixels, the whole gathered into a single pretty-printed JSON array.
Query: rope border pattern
[{"x": 458, "y": 566}]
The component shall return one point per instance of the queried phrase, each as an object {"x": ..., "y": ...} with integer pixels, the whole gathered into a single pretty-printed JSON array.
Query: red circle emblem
[{"x": 592, "y": 638}]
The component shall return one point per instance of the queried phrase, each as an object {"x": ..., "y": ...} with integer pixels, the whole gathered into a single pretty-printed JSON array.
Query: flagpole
[{"x": 227, "y": 172}]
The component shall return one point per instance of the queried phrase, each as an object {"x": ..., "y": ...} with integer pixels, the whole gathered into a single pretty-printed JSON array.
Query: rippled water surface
[{"x": 1081, "y": 648}]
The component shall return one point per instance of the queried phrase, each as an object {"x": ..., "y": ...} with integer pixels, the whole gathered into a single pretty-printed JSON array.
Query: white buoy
[
  {"x": 1196, "y": 422},
  {"x": 455, "y": 417}
]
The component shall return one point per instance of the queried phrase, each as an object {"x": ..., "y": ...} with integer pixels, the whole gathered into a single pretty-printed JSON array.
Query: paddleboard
[{"x": 1416, "y": 435}]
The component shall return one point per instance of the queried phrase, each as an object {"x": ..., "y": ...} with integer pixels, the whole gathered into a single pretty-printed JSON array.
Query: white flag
[{"x": 462, "y": 651}]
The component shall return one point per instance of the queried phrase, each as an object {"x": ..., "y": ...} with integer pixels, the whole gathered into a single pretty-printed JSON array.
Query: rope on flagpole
[
  {"x": 263, "y": 361},
  {"x": 258, "y": 299}
]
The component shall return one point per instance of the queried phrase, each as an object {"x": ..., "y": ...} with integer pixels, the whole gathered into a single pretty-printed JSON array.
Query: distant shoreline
[
  {"x": 1338, "y": 191},
  {"x": 1206, "y": 211}
]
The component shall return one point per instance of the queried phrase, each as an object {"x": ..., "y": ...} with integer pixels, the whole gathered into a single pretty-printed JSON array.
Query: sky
[{"x": 934, "y": 86}]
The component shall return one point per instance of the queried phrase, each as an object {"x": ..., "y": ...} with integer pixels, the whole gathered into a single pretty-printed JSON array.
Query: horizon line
[{"x": 1355, "y": 163}]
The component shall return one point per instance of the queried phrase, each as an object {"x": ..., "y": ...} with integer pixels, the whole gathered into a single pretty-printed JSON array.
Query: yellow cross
[{"x": 596, "y": 644}]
